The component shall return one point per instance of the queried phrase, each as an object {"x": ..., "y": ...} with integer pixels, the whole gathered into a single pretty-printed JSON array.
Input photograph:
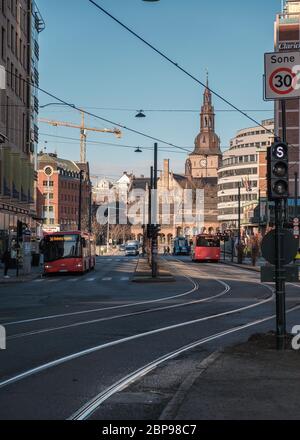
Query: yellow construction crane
[{"x": 83, "y": 130}]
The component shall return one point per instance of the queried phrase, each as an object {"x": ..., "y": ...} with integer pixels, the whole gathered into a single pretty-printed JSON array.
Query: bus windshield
[
  {"x": 181, "y": 242},
  {"x": 62, "y": 246},
  {"x": 208, "y": 242}
]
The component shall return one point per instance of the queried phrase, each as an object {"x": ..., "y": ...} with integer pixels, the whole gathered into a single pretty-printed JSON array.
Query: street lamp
[
  {"x": 140, "y": 114},
  {"x": 56, "y": 103}
]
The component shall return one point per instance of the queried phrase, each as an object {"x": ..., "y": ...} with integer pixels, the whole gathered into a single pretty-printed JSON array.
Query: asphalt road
[{"x": 73, "y": 342}]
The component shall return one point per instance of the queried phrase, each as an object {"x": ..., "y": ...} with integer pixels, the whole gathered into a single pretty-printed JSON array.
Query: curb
[
  {"x": 240, "y": 266},
  {"x": 171, "y": 410},
  {"x": 19, "y": 281},
  {"x": 148, "y": 279}
]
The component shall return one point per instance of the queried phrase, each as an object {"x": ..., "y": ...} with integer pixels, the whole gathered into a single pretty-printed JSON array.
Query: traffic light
[
  {"x": 278, "y": 171},
  {"x": 153, "y": 230},
  {"x": 21, "y": 229}
]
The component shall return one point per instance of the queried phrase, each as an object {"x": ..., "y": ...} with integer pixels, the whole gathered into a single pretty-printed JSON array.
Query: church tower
[{"x": 206, "y": 157}]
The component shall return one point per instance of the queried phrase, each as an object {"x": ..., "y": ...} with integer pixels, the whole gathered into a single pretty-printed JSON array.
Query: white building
[{"x": 244, "y": 164}]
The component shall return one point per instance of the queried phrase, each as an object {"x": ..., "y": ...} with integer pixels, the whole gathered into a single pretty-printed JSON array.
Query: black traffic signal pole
[
  {"x": 149, "y": 215},
  {"x": 296, "y": 195},
  {"x": 279, "y": 270},
  {"x": 239, "y": 213},
  {"x": 154, "y": 247}
]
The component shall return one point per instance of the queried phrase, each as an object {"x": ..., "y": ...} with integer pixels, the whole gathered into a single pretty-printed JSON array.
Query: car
[
  {"x": 134, "y": 243},
  {"x": 131, "y": 251},
  {"x": 122, "y": 247}
]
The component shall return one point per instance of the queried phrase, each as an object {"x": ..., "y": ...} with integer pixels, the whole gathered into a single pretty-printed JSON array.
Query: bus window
[
  {"x": 208, "y": 242},
  {"x": 62, "y": 246}
]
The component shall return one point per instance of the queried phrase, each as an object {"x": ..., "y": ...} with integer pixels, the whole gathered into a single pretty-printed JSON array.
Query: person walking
[{"x": 6, "y": 262}]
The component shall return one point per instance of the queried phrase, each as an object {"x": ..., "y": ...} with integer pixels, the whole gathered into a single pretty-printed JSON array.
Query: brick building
[
  {"x": 20, "y": 24},
  {"x": 58, "y": 193}
]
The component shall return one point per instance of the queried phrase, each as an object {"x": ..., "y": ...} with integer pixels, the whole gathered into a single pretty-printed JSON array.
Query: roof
[
  {"x": 181, "y": 180},
  {"x": 140, "y": 183},
  {"x": 51, "y": 159}
]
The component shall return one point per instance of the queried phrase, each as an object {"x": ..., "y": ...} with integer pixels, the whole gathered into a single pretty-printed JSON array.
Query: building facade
[
  {"x": 20, "y": 24},
  {"x": 287, "y": 38},
  {"x": 244, "y": 165},
  {"x": 58, "y": 193}
]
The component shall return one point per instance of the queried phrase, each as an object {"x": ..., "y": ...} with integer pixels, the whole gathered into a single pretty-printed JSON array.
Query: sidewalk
[
  {"x": 247, "y": 264},
  {"x": 36, "y": 272},
  {"x": 247, "y": 381}
]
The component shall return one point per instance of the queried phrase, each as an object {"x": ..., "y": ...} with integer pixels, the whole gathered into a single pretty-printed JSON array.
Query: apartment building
[{"x": 20, "y": 25}]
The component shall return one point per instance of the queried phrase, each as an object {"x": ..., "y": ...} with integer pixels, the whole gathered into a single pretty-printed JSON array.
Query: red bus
[
  {"x": 72, "y": 252},
  {"x": 206, "y": 248}
]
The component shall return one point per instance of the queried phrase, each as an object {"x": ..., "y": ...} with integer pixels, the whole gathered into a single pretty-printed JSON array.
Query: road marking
[
  {"x": 90, "y": 407},
  {"x": 97, "y": 348},
  {"x": 90, "y": 279},
  {"x": 72, "y": 280},
  {"x": 39, "y": 281},
  {"x": 125, "y": 279},
  {"x": 106, "y": 279}
]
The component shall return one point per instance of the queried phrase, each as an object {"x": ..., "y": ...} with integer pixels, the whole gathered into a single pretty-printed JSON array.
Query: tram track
[
  {"x": 87, "y": 410},
  {"x": 100, "y": 347}
]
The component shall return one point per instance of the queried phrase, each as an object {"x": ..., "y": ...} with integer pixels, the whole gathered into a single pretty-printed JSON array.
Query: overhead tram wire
[
  {"x": 44, "y": 135},
  {"x": 153, "y": 110},
  {"x": 100, "y": 8},
  {"x": 74, "y": 107}
]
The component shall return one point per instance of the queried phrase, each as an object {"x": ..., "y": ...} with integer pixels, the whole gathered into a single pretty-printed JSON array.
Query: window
[
  {"x": 12, "y": 36},
  {"x": 3, "y": 43}
]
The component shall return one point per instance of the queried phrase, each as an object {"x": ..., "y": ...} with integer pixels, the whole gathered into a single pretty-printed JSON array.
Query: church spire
[
  {"x": 207, "y": 142},
  {"x": 207, "y": 111}
]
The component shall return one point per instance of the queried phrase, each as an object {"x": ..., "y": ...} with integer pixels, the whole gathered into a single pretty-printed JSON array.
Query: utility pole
[
  {"x": 239, "y": 214},
  {"x": 149, "y": 241},
  {"x": 80, "y": 200},
  {"x": 107, "y": 237},
  {"x": 154, "y": 247},
  {"x": 90, "y": 207},
  {"x": 296, "y": 195},
  {"x": 279, "y": 270}
]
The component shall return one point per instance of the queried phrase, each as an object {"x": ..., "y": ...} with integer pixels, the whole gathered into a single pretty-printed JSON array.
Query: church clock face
[{"x": 203, "y": 163}]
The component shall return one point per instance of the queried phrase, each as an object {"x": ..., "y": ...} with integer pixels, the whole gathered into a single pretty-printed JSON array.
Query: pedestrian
[
  {"x": 168, "y": 250},
  {"x": 6, "y": 262},
  {"x": 254, "y": 249}
]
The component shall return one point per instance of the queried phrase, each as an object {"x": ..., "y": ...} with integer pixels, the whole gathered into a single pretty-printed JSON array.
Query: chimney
[{"x": 166, "y": 174}]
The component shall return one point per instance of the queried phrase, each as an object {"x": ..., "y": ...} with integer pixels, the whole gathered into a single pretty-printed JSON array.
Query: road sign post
[{"x": 282, "y": 82}]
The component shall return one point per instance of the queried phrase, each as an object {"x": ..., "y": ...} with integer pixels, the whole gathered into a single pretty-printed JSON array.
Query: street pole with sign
[{"x": 281, "y": 83}]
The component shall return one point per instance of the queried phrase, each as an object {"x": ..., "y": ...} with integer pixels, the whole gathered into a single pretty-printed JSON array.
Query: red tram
[{"x": 207, "y": 248}]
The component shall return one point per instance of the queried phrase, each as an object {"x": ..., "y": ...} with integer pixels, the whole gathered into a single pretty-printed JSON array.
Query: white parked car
[{"x": 131, "y": 251}]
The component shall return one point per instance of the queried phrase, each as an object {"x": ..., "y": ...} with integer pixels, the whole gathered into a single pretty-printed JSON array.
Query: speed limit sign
[{"x": 282, "y": 75}]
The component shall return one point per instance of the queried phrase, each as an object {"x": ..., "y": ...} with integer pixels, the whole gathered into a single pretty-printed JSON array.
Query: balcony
[{"x": 289, "y": 18}]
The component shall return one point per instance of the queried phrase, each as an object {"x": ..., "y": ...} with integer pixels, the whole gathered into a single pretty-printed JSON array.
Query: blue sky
[{"x": 90, "y": 61}]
